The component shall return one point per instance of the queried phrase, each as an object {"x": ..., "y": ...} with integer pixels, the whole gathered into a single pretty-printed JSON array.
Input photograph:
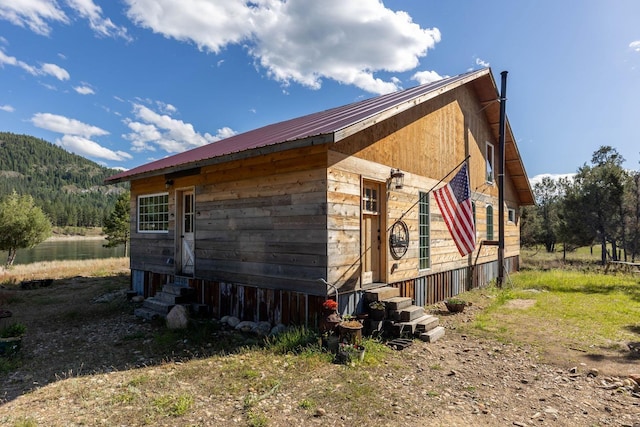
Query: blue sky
[{"x": 129, "y": 81}]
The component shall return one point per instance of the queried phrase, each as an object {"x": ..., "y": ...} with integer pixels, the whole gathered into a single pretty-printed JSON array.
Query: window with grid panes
[
  {"x": 153, "y": 213},
  {"x": 423, "y": 225}
]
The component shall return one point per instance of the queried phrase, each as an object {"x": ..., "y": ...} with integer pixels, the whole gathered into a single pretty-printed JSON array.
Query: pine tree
[{"x": 117, "y": 225}]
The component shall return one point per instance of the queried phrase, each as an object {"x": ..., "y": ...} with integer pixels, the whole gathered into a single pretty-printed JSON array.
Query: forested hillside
[{"x": 68, "y": 187}]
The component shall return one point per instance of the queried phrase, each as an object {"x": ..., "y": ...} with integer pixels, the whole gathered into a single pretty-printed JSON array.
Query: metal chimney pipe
[{"x": 503, "y": 102}]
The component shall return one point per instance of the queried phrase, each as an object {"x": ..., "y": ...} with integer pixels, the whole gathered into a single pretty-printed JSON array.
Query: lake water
[{"x": 54, "y": 250}]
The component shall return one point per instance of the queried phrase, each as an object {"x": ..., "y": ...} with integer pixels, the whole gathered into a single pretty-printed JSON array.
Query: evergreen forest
[{"x": 69, "y": 188}]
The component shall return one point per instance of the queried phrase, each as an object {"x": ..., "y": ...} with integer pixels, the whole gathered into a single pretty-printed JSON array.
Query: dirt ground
[{"x": 84, "y": 327}]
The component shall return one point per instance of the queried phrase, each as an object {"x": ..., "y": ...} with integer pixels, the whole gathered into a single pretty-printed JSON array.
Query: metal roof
[
  {"x": 322, "y": 123},
  {"x": 330, "y": 126}
]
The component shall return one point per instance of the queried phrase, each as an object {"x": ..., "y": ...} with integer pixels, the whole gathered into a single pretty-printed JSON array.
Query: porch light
[
  {"x": 168, "y": 183},
  {"x": 397, "y": 178}
]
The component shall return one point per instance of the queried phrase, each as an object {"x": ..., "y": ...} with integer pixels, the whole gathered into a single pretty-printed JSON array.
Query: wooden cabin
[{"x": 266, "y": 224}]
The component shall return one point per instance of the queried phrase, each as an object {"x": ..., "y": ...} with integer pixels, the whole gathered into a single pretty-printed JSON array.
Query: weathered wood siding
[
  {"x": 426, "y": 143},
  {"x": 259, "y": 221}
]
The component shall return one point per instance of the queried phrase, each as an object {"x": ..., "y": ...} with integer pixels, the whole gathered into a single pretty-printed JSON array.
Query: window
[
  {"x": 511, "y": 215},
  {"x": 489, "y": 222},
  {"x": 473, "y": 210},
  {"x": 423, "y": 224},
  {"x": 370, "y": 199},
  {"x": 490, "y": 162},
  {"x": 153, "y": 213}
]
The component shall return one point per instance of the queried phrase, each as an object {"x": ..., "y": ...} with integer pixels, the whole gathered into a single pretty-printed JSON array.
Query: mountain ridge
[{"x": 69, "y": 188}]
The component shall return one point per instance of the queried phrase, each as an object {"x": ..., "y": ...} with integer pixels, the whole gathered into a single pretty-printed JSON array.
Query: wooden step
[
  {"x": 433, "y": 335},
  {"x": 381, "y": 294}
]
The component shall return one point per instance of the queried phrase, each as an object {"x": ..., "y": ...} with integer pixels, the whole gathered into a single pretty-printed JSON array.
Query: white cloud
[
  {"x": 423, "y": 77},
  {"x": 7, "y": 108},
  {"x": 84, "y": 90},
  {"x": 65, "y": 125},
  {"x": 299, "y": 41},
  {"x": 635, "y": 45},
  {"x": 38, "y": 15},
  {"x": 555, "y": 177},
  {"x": 77, "y": 136},
  {"x": 151, "y": 130},
  {"x": 12, "y": 60},
  {"x": 86, "y": 147},
  {"x": 33, "y": 14},
  {"x": 482, "y": 62},
  {"x": 55, "y": 71},
  {"x": 93, "y": 13},
  {"x": 46, "y": 69}
]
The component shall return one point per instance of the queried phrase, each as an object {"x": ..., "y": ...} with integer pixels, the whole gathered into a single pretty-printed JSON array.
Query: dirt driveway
[{"x": 84, "y": 327}]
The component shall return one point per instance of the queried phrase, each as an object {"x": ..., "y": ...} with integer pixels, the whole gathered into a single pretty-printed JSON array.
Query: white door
[{"x": 187, "y": 233}]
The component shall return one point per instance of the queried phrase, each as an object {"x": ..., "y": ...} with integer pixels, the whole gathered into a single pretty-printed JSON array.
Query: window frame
[
  {"x": 511, "y": 215},
  {"x": 489, "y": 220},
  {"x": 162, "y": 215},
  {"x": 424, "y": 230},
  {"x": 489, "y": 163}
]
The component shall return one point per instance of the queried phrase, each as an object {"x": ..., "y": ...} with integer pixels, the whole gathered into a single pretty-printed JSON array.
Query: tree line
[
  {"x": 68, "y": 188},
  {"x": 599, "y": 205}
]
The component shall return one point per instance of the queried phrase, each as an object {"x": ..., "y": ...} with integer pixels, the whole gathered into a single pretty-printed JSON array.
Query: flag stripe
[{"x": 454, "y": 202}]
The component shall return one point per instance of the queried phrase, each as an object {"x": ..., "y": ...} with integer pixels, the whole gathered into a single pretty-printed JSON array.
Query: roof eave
[{"x": 239, "y": 155}]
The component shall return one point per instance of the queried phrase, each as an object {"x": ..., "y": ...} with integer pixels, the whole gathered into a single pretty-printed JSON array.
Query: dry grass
[
  {"x": 95, "y": 364},
  {"x": 63, "y": 269}
]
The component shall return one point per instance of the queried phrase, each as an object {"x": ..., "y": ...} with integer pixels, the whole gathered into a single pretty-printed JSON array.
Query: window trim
[
  {"x": 424, "y": 207},
  {"x": 489, "y": 224},
  {"x": 511, "y": 215},
  {"x": 138, "y": 213}
]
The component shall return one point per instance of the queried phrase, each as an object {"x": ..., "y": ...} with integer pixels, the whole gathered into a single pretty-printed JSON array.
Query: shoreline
[{"x": 58, "y": 237}]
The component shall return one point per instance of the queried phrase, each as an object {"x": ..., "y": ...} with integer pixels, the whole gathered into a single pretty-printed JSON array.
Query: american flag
[{"x": 454, "y": 202}]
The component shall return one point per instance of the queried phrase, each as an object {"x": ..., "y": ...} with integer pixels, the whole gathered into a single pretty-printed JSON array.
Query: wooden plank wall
[
  {"x": 425, "y": 143},
  {"x": 259, "y": 221}
]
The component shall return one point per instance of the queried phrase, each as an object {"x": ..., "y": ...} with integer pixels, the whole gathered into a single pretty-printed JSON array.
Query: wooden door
[
  {"x": 187, "y": 233},
  {"x": 371, "y": 237}
]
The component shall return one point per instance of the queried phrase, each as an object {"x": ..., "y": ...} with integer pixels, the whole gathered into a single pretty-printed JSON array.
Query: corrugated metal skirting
[{"x": 436, "y": 287}]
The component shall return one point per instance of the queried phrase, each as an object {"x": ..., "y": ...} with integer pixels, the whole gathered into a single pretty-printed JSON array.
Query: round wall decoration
[{"x": 399, "y": 239}]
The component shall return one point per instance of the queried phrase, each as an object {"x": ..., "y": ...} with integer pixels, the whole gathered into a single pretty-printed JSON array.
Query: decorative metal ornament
[{"x": 399, "y": 239}]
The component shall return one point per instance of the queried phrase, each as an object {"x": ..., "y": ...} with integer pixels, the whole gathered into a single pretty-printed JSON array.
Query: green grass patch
[
  {"x": 578, "y": 306},
  {"x": 173, "y": 406}
]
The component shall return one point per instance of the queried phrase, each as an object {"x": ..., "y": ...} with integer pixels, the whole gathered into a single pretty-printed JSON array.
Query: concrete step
[
  {"x": 162, "y": 307},
  {"x": 410, "y": 327},
  {"x": 406, "y": 314},
  {"x": 146, "y": 313},
  {"x": 398, "y": 303},
  {"x": 173, "y": 298},
  {"x": 382, "y": 293},
  {"x": 427, "y": 324},
  {"x": 177, "y": 290},
  {"x": 411, "y": 313},
  {"x": 433, "y": 335}
]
